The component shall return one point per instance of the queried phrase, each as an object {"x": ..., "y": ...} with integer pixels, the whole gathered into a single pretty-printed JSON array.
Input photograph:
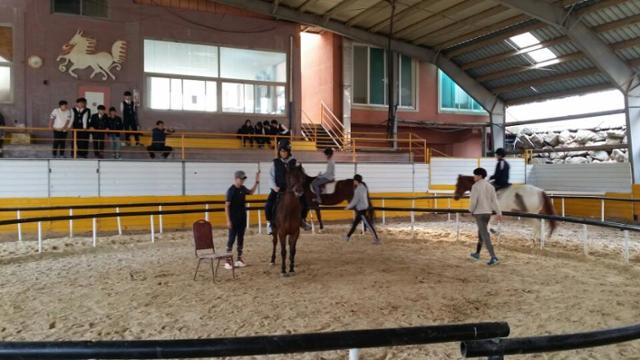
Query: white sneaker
[
  {"x": 228, "y": 266},
  {"x": 240, "y": 263},
  {"x": 347, "y": 238},
  {"x": 269, "y": 229}
]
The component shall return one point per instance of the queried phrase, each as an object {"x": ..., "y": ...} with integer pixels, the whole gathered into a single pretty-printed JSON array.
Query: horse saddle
[{"x": 328, "y": 188}]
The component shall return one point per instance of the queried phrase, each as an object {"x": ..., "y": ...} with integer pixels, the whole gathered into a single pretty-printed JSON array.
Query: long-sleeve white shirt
[
  {"x": 360, "y": 199},
  {"x": 483, "y": 199}
]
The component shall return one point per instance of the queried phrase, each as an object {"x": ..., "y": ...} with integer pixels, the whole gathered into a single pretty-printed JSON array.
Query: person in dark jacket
[
  {"x": 501, "y": 175},
  {"x": 278, "y": 184},
  {"x": 158, "y": 141},
  {"x": 80, "y": 123},
  {"x": 129, "y": 111},
  {"x": 114, "y": 122},
  {"x": 259, "y": 130},
  {"x": 98, "y": 122},
  {"x": 246, "y": 129},
  {"x": 270, "y": 131}
]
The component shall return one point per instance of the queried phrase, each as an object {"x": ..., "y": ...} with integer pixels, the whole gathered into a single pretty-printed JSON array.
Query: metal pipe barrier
[
  {"x": 254, "y": 345},
  {"x": 497, "y": 348}
]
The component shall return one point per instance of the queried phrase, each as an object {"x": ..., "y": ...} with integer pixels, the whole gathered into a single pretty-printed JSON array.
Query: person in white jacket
[
  {"x": 326, "y": 177},
  {"x": 360, "y": 204},
  {"x": 483, "y": 202}
]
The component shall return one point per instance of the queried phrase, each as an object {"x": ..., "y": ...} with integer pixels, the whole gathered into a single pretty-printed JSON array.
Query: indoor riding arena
[{"x": 414, "y": 179}]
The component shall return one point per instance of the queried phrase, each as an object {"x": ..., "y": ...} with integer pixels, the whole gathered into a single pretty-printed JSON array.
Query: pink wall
[
  {"x": 37, "y": 31},
  {"x": 321, "y": 73}
]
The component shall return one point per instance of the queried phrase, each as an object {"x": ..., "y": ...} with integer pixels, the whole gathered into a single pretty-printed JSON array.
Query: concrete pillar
[
  {"x": 347, "y": 85},
  {"x": 497, "y": 118}
]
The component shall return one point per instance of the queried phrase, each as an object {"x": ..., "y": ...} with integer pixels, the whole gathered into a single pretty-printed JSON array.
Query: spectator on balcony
[
  {"x": 259, "y": 130},
  {"x": 282, "y": 129},
  {"x": 246, "y": 129},
  {"x": 272, "y": 130},
  {"x": 60, "y": 122},
  {"x": 98, "y": 122},
  {"x": 158, "y": 141},
  {"x": 2, "y": 124},
  {"x": 114, "y": 122},
  {"x": 81, "y": 116},
  {"x": 129, "y": 111}
]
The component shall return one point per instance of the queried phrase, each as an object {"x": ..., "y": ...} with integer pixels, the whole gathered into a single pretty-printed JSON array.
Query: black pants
[
  {"x": 166, "y": 150},
  {"x": 246, "y": 139},
  {"x": 130, "y": 124},
  {"x": 98, "y": 143},
  {"x": 272, "y": 203},
  {"x": 238, "y": 226},
  {"x": 59, "y": 142},
  {"x": 82, "y": 144},
  {"x": 361, "y": 215}
]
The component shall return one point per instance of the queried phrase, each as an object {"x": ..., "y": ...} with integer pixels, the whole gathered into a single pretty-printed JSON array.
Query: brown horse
[
  {"x": 288, "y": 218},
  {"x": 523, "y": 198},
  {"x": 343, "y": 192}
]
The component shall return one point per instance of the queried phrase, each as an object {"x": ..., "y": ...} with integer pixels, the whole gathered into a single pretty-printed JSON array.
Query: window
[
  {"x": 255, "y": 65},
  {"x": 165, "y": 57},
  {"x": 182, "y": 94},
  {"x": 249, "y": 98},
  {"x": 454, "y": 99},
  {"x": 370, "y": 77},
  {"x": 535, "y": 52},
  {"x": 95, "y": 8},
  {"x": 6, "y": 58}
]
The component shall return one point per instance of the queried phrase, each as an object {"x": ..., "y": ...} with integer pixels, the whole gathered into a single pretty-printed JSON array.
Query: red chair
[{"x": 203, "y": 239}]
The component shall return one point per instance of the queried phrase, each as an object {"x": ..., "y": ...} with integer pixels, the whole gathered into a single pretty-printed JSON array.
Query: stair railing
[{"x": 332, "y": 126}]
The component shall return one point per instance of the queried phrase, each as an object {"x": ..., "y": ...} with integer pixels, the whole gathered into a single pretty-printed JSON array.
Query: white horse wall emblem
[{"x": 79, "y": 53}]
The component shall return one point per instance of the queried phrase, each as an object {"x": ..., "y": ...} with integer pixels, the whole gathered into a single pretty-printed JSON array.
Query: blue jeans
[{"x": 115, "y": 145}]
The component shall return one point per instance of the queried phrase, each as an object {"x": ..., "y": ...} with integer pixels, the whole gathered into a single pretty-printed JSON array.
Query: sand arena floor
[{"x": 128, "y": 288}]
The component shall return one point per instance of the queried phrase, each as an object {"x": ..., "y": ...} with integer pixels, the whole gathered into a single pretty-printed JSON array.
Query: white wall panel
[
  {"x": 421, "y": 177},
  {"x": 133, "y": 178},
  {"x": 516, "y": 173},
  {"x": 445, "y": 171},
  {"x": 343, "y": 171},
  {"x": 24, "y": 178},
  {"x": 387, "y": 177},
  {"x": 591, "y": 178},
  {"x": 74, "y": 178},
  {"x": 215, "y": 178}
]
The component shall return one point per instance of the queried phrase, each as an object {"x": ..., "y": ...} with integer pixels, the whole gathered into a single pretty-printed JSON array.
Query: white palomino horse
[
  {"x": 517, "y": 198},
  {"x": 80, "y": 51}
]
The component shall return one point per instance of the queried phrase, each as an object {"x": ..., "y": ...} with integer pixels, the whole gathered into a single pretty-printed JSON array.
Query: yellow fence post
[
  {"x": 424, "y": 144},
  {"x": 353, "y": 150},
  {"x": 182, "y": 145},
  {"x": 75, "y": 144},
  {"x": 410, "y": 148}
]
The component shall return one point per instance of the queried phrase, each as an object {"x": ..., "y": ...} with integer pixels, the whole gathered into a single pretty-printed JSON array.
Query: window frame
[
  {"x": 442, "y": 110},
  {"x": 219, "y": 81},
  {"x": 52, "y": 9},
  {"x": 380, "y": 107},
  {"x": 10, "y": 65}
]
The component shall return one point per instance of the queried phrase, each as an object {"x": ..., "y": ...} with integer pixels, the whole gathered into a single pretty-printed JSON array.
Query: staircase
[{"x": 329, "y": 132}]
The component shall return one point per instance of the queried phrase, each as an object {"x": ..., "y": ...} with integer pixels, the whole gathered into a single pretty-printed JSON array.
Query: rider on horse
[
  {"x": 500, "y": 176},
  {"x": 278, "y": 184},
  {"x": 325, "y": 177}
]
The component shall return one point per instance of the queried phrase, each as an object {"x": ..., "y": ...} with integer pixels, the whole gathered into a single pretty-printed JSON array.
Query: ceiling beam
[
  {"x": 275, "y": 6},
  {"x": 341, "y": 5},
  {"x": 621, "y": 75},
  {"x": 421, "y": 6},
  {"x": 306, "y": 4},
  {"x": 546, "y": 80},
  {"x": 560, "y": 94},
  {"x": 446, "y": 14},
  {"x": 380, "y": 5},
  {"x": 512, "y": 71},
  {"x": 482, "y": 95},
  {"x": 534, "y": 26},
  {"x": 460, "y": 24},
  {"x": 515, "y": 52}
]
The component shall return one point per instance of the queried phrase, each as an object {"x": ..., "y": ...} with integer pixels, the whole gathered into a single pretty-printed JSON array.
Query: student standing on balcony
[
  {"x": 98, "y": 122},
  {"x": 114, "y": 122},
  {"x": 60, "y": 122},
  {"x": 81, "y": 116},
  {"x": 129, "y": 111}
]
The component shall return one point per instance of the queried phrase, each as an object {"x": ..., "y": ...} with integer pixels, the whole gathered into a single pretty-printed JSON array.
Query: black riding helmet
[
  {"x": 358, "y": 178},
  {"x": 328, "y": 151},
  {"x": 500, "y": 152},
  {"x": 284, "y": 145}
]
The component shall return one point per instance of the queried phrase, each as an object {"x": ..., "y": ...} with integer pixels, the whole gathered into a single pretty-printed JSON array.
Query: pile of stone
[{"x": 557, "y": 143}]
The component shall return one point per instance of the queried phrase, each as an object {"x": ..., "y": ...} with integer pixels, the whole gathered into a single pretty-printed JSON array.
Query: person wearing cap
[
  {"x": 235, "y": 209},
  {"x": 360, "y": 204},
  {"x": 482, "y": 203},
  {"x": 278, "y": 184},
  {"x": 500, "y": 176},
  {"x": 326, "y": 177}
]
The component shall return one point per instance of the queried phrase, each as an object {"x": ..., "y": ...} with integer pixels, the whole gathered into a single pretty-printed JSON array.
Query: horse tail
[{"x": 548, "y": 209}]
